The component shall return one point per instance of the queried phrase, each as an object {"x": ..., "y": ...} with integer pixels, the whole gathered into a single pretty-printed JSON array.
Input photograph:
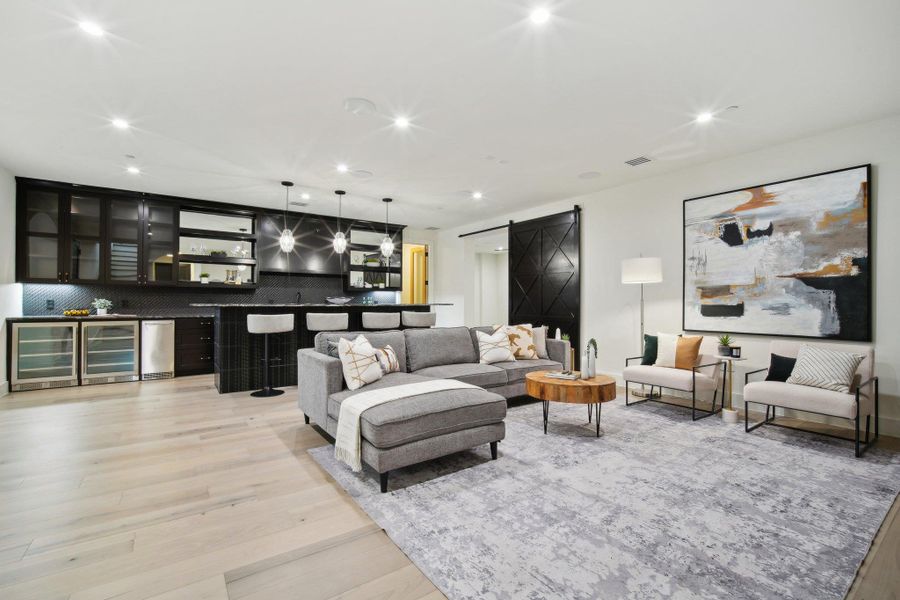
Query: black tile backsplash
[{"x": 175, "y": 301}]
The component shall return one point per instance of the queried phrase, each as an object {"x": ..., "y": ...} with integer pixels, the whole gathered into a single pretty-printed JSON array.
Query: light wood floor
[{"x": 168, "y": 490}]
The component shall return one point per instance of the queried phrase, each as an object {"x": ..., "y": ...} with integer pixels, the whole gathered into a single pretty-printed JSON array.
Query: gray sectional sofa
[{"x": 428, "y": 426}]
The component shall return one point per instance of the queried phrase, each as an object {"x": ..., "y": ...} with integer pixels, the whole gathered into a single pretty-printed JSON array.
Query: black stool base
[{"x": 266, "y": 393}]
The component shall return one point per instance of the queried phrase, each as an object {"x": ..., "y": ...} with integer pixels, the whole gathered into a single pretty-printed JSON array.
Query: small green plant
[
  {"x": 102, "y": 304},
  {"x": 218, "y": 253},
  {"x": 565, "y": 337},
  {"x": 592, "y": 343},
  {"x": 725, "y": 340},
  {"x": 202, "y": 275}
]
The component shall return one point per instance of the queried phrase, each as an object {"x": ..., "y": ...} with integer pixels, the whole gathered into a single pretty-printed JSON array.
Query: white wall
[
  {"x": 10, "y": 292},
  {"x": 645, "y": 217},
  {"x": 492, "y": 275}
]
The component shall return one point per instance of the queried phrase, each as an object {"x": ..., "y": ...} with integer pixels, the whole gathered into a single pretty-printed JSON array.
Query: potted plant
[
  {"x": 725, "y": 345},
  {"x": 204, "y": 277},
  {"x": 102, "y": 305}
]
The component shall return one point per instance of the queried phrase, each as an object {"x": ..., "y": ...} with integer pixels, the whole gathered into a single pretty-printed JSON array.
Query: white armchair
[
  {"x": 861, "y": 401},
  {"x": 706, "y": 376}
]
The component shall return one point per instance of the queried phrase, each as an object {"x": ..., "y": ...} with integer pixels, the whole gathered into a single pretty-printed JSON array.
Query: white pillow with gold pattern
[
  {"x": 494, "y": 347},
  {"x": 521, "y": 338},
  {"x": 359, "y": 362}
]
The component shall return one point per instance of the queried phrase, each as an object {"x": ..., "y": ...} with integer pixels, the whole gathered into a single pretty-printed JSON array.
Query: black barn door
[{"x": 544, "y": 287}]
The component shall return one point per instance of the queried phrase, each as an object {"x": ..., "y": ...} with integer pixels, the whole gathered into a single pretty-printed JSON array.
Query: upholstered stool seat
[
  {"x": 266, "y": 325},
  {"x": 411, "y": 318},
  {"x": 381, "y": 320},
  {"x": 327, "y": 321}
]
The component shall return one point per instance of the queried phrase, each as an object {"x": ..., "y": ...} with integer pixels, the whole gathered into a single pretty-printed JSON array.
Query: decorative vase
[
  {"x": 592, "y": 366},
  {"x": 204, "y": 280},
  {"x": 101, "y": 312},
  {"x": 724, "y": 350},
  {"x": 586, "y": 364}
]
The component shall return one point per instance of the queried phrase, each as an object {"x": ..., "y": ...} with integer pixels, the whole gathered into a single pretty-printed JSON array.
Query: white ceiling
[{"x": 228, "y": 97}]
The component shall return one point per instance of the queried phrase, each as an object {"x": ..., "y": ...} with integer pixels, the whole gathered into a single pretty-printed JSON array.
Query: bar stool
[
  {"x": 381, "y": 320},
  {"x": 327, "y": 321},
  {"x": 418, "y": 319},
  {"x": 266, "y": 324}
]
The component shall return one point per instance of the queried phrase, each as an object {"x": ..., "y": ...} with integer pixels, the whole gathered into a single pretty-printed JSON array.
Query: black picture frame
[{"x": 866, "y": 335}]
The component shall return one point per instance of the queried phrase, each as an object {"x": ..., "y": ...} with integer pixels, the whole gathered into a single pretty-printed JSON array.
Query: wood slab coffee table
[{"x": 596, "y": 390}]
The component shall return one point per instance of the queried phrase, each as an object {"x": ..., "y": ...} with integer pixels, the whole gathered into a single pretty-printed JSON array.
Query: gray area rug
[{"x": 658, "y": 507}]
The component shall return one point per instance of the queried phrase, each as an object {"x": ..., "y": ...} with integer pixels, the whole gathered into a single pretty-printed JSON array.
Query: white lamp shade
[{"x": 642, "y": 270}]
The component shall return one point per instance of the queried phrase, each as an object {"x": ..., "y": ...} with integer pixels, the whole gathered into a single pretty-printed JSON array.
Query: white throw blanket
[{"x": 348, "y": 443}]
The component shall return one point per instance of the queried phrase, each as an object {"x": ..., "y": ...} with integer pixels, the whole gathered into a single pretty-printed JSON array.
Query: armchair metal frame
[
  {"x": 859, "y": 449},
  {"x": 693, "y": 391}
]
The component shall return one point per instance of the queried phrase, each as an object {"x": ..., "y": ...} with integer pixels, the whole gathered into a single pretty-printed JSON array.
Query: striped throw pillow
[{"x": 826, "y": 369}]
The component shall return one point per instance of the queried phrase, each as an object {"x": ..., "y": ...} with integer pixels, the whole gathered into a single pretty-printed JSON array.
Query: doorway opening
[{"x": 415, "y": 274}]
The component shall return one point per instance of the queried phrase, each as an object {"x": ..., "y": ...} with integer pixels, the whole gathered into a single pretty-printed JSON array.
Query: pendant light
[
  {"x": 286, "y": 240},
  {"x": 339, "y": 243},
  {"x": 387, "y": 244}
]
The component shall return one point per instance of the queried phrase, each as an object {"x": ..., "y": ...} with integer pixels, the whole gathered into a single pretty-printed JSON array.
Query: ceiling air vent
[
  {"x": 432, "y": 228},
  {"x": 637, "y": 161},
  {"x": 299, "y": 203}
]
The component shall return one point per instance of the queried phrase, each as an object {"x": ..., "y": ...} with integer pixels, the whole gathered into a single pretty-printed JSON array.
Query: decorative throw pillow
[
  {"x": 826, "y": 369},
  {"x": 494, "y": 347},
  {"x": 540, "y": 341},
  {"x": 359, "y": 361},
  {"x": 780, "y": 367},
  {"x": 677, "y": 351},
  {"x": 650, "y": 349},
  {"x": 387, "y": 358},
  {"x": 521, "y": 340}
]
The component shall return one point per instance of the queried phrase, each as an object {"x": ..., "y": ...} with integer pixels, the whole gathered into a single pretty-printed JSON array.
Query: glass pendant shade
[
  {"x": 387, "y": 247},
  {"x": 286, "y": 241},
  {"x": 339, "y": 243},
  {"x": 387, "y": 244}
]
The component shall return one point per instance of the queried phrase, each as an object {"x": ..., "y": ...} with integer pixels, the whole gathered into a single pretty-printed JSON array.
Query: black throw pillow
[
  {"x": 780, "y": 368},
  {"x": 651, "y": 346}
]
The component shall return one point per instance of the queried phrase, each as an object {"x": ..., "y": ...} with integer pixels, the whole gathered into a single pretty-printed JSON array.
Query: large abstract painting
[{"x": 790, "y": 258}]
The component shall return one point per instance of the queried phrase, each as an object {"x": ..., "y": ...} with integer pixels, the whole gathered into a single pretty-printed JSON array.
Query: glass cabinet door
[
  {"x": 124, "y": 239},
  {"x": 43, "y": 355},
  {"x": 85, "y": 244},
  {"x": 160, "y": 243},
  {"x": 42, "y": 236},
  {"x": 109, "y": 350}
]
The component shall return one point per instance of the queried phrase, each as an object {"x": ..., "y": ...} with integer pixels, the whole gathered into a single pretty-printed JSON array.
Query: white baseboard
[{"x": 4, "y": 388}]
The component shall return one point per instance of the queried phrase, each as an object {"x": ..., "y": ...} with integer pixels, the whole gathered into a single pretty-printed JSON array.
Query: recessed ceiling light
[
  {"x": 304, "y": 196},
  {"x": 477, "y": 195},
  {"x": 120, "y": 124},
  {"x": 360, "y": 106},
  {"x": 401, "y": 122},
  {"x": 539, "y": 16},
  {"x": 342, "y": 168},
  {"x": 704, "y": 117},
  {"x": 134, "y": 170},
  {"x": 91, "y": 28}
]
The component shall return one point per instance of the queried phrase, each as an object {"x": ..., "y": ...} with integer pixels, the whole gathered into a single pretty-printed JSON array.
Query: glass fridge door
[
  {"x": 109, "y": 352},
  {"x": 43, "y": 355}
]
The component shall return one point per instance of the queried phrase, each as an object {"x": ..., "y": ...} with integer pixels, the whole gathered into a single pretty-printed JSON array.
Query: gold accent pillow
[{"x": 521, "y": 339}]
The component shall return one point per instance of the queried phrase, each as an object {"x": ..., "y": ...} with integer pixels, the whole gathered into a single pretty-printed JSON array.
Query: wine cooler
[
  {"x": 44, "y": 355},
  {"x": 109, "y": 352}
]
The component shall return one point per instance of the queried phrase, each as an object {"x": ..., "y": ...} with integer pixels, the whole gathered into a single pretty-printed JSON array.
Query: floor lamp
[{"x": 640, "y": 271}]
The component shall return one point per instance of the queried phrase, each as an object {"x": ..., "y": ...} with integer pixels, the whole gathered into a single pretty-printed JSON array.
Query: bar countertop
[{"x": 315, "y": 305}]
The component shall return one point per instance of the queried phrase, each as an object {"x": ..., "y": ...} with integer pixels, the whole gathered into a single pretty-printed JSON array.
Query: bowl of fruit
[{"x": 76, "y": 312}]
